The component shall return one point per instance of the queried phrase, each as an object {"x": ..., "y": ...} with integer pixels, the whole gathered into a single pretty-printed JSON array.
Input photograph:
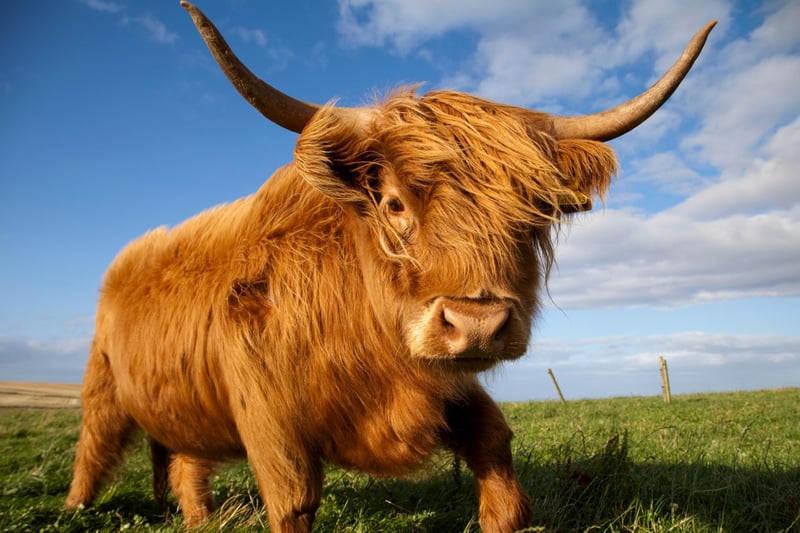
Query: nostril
[
  {"x": 502, "y": 328},
  {"x": 447, "y": 319}
]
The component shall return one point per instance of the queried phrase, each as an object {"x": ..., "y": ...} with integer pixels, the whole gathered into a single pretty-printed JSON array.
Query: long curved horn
[
  {"x": 621, "y": 119},
  {"x": 278, "y": 107}
]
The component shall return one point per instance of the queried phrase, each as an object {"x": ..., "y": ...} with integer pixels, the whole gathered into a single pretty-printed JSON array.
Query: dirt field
[{"x": 53, "y": 395}]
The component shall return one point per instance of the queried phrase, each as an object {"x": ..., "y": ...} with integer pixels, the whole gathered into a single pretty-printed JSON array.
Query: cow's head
[{"x": 453, "y": 198}]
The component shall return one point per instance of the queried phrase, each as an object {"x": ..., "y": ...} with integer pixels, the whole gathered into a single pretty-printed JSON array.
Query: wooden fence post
[
  {"x": 558, "y": 389},
  {"x": 665, "y": 380}
]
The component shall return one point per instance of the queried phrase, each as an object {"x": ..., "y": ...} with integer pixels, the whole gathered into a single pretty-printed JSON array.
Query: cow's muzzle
[
  {"x": 467, "y": 334},
  {"x": 473, "y": 328}
]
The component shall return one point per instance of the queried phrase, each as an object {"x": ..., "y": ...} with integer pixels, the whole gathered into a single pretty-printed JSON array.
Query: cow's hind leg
[
  {"x": 188, "y": 477},
  {"x": 105, "y": 430},
  {"x": 159, "y": 456}
]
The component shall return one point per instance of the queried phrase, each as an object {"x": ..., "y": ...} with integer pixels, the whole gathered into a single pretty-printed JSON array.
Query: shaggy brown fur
[{"x": 311, "y": 321}]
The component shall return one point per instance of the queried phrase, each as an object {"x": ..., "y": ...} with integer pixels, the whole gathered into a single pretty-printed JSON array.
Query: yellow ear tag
[{"x": 574, "y": 203}]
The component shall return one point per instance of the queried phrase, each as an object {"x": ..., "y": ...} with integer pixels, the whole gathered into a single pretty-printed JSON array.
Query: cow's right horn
[
  {"x": 621, "y": 119},
  {"x": 278, "y": 107}
]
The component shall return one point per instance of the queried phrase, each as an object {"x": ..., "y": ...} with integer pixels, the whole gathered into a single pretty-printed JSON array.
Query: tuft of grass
[{"x": 718, "y": 462}]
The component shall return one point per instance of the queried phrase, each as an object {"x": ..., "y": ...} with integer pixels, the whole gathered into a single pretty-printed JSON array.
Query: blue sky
[{"x": 115, "y": 120}]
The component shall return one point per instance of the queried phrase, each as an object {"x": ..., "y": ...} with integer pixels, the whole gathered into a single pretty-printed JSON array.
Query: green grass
[{"x": 721, "y": 462}]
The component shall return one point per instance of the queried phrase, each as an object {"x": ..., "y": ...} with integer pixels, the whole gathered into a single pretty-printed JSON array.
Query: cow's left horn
[
  {"x": 619, "y": 120},
  {"x": 278, "y": 107}
]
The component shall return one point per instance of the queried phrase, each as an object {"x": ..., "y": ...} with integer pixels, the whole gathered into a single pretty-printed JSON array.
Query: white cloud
[
  {"x": 628, "y": 258},
  {"x": 156, "y": 29},
  {"x": 668, "y": 172},
  {"x": 738, "y": 109},
  {"x": 250, "y": 35},
  {"x": 516, "y": 72},
  {"x": 278, "y": 55},
  {"x": 769, "y": 182},
  {"x": 779, "y": 31},
  {"x": 103, "y": 6}
]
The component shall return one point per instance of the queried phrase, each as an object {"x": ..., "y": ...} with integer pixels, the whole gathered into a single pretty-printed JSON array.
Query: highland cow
[{"x": 341, "y": 312}]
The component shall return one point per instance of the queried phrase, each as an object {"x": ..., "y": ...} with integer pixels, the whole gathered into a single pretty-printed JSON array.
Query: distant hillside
[{"x": 39, "y": 395}]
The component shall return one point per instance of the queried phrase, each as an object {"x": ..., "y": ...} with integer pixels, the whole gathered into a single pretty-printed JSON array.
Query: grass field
[{"x": 721, "y": 462}]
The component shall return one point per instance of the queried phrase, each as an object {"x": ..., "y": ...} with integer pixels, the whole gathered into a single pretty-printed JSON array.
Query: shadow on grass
[
  {"x": 603, "y": 491},
  {"x": 607, "y": 490}
]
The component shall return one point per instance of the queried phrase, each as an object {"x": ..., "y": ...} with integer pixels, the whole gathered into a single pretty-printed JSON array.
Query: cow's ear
[
  {"x": 335, "y": 156},
  {"x": 586, "y": 166}
]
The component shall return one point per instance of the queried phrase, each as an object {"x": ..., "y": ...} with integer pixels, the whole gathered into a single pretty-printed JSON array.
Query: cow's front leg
[
  {"x": 479, "y": 433},
  {"x": 291, "y": 487},
  {"x": 288, "y": 472}
]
